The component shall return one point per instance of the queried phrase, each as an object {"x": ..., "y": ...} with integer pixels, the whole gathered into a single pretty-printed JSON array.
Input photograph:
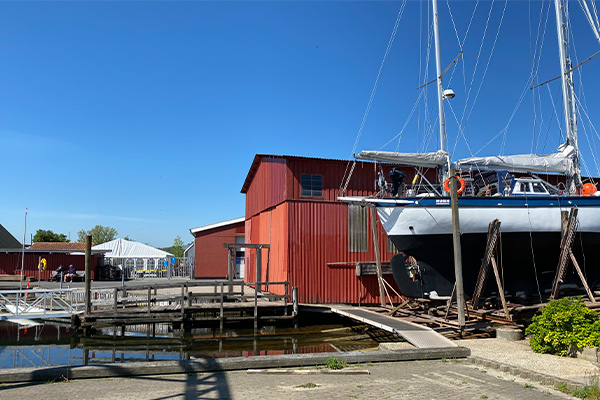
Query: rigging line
[
  {"x": 531, "y": 245},
  {"x": 398, "y": 135},
  {"x": 477, "y": 59},
  {"x": 488, "y": 62},
  {"x": 588, "y": 15},
  {"x": 586, "y": 133},
  {"x": 461, "y": 133},
  {"x": 470, "y": 22},
  {"x": 442, "y": 74},
  {"x": 387, "y": 50},
  {"x": 551, "y": 117},
  {"x": 453, "y": 24},
  {"x": 595, "y": 13},
  {"x": 569, "y": 71},
  {"x": 541, "y": 34}
]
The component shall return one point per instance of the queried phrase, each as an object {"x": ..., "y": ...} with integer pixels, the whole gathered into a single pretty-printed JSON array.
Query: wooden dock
[{"x": 190, "y": 303}]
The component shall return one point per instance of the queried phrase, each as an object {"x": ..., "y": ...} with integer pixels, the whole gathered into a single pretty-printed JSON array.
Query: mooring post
[
  {"x": 258, "y": 286},
  {"x": 88, "y": 272},
  {"x": 295, "y": 301}
]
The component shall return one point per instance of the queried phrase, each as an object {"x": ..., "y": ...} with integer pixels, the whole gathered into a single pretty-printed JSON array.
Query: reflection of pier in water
[{"x": 50, "y": 345}]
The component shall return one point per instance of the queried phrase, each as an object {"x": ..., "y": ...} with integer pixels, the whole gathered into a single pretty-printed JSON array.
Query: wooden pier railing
[{"x": 189, "y": 302}]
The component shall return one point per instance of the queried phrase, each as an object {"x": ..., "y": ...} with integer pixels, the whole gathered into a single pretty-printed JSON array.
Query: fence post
[
  {"x": 149, "y": 298},
  {"x": 221, "y": 309}
]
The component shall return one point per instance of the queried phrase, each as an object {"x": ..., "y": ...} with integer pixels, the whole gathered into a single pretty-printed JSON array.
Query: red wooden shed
[
  {"x": 315, "y": 240},
  {"x": 210, "y": 257}
]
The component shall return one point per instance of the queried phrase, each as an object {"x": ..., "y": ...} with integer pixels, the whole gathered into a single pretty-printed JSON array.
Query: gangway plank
[{"x": 417, "y": 335}]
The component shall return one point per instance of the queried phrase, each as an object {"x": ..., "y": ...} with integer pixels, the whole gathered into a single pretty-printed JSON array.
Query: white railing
[{"x": 37, "y": 303}]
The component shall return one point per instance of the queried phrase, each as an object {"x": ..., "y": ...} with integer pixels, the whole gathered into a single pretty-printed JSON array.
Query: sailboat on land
[{"x": 501, "y": 187}]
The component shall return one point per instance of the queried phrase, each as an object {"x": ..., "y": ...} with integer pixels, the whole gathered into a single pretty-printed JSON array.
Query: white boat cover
[
  {"x": 436, "y": 159},
  {"x": 553, "y": 163},
  {"x": 121, "y": 248}
]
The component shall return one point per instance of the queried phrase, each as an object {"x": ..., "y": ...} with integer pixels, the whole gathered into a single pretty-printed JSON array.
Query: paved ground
[
  {"x": 519, "y": 355},
  {"x": 402, "y": 380}
]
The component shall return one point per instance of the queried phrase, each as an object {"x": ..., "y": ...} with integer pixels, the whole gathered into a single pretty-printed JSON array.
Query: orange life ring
[
  {"x": 460, "y": 189},
  {"x": 588, "y": 189}
]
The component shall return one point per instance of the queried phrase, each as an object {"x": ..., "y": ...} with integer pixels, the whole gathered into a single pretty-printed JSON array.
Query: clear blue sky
[{"x": 146, "y": 116}]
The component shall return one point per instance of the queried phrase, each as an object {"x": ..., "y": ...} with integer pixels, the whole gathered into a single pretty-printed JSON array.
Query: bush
[
  {"x": 334, "y": 363},
  {"x": 565, "y": 325}
]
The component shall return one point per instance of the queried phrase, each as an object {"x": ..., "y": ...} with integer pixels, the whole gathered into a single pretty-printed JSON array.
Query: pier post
[
  {"x": 88, "y": 271},
  {"x": 295, "y": 301},
  {"x": 116, "y": 294},
  {"x": 230, "y": 267}
]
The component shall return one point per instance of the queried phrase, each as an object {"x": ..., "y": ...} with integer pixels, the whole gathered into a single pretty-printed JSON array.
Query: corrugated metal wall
[
  {"x": 268, "y": 185},
  {"x": 10, "y": 263},
  {"x": 323, "y": 268},
  {"x": 309, "y": 247}
]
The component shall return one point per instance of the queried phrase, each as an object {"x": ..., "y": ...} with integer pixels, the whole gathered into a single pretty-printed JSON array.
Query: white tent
[{"x": 139, "y": 259}]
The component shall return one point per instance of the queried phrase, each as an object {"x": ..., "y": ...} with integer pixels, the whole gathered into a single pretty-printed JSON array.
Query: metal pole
[
  {"x": 569, "y": 107},
  {"x": 88, "y": 272},
  {"x": 438, "y": 68},
  {"x": 460, "y": 292}
]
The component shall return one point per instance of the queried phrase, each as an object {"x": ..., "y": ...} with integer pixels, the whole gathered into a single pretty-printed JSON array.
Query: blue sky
[{"x": 146, "y": 116}]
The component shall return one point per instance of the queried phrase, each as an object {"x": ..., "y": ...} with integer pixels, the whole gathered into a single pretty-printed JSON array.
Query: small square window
[{"x": 312, "y": 185}]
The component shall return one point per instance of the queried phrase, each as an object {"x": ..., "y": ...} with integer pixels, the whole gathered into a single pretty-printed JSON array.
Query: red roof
[{"x": 62, "y": 246}]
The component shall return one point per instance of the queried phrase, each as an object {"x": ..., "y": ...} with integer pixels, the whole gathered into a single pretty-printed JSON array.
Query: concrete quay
[{"x": 425, "y": 379}]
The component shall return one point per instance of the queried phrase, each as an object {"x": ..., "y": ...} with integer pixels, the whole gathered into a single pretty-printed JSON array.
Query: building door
[{"x": 239, "y": 259}]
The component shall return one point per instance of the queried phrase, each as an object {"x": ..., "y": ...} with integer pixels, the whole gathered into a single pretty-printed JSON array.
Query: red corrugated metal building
[
  {"x": 11, "y": 260},
  {"x": 210, "y": 257},
  {"x": 315, "y": 240}
]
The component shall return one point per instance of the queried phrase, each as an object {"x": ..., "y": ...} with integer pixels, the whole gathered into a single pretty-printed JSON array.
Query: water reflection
[{"x": 50, "y": 344}]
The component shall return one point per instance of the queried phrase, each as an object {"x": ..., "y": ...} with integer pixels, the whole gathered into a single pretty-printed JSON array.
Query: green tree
[
  {"x": 100, "y": 234},
  {"x": 177, "y": 248},
  {"x": 49, "y": 236}
]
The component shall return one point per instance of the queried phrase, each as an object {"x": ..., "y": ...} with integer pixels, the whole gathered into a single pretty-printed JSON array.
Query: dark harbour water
[{"x": 49, "y": 344}]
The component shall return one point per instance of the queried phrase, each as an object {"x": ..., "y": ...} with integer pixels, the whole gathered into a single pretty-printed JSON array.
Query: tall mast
[
  {"x": 438, "y": 67},
  {"x": 569, "y": 106}
]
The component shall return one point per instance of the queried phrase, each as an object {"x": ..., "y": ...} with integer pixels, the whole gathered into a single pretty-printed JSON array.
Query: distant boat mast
[{"x": 23, "y": 252}]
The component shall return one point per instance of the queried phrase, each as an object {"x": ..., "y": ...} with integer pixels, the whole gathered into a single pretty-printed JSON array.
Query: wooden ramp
[{"x": 417, "y": 335}]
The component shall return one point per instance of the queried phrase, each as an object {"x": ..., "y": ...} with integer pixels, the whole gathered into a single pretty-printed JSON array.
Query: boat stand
[
  {"x": 484, "y": 271},
  {"x": 566, "y": 253}
]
